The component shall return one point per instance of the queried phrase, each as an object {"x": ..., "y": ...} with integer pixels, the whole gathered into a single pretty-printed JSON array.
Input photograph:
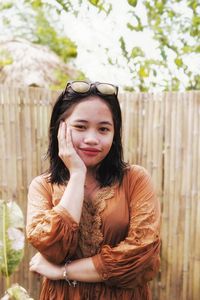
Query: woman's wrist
[
  {"x": 62, "y": 270},
  {"x": 65, "y": 274},
  {"x": 80, "y": 175}
]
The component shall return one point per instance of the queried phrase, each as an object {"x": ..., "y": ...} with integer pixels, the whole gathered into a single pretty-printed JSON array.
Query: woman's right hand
[
  {"x": 41, "y": 266},
  {"x": 67, "y": 152}
]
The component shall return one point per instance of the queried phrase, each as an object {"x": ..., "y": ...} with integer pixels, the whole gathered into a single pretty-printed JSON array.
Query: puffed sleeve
[
  {"x": 51, "y": 230},
  {"x": 135, "y": 260}
]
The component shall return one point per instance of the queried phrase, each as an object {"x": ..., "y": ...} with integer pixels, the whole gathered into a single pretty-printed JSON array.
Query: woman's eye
[
  {"x": 104, "y": 129},
  {"x": 81, "y": 127}
]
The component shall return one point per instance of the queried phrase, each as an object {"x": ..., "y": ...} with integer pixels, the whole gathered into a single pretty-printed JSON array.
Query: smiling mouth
[{"x": 91, "y": 152}]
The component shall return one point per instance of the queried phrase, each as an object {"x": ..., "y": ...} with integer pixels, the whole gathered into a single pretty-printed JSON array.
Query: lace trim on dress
[{"x": 91, "y": 236}]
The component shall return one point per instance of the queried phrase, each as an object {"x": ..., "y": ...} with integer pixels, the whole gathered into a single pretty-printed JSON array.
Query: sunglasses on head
[{"x": 82, "y": 87}]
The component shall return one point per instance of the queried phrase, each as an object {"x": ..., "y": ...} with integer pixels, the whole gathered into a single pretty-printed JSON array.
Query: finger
[
  {"x": 38, "y": 254},
  {"x": 31, "y": 262},
  {"x": 34, "y": 256},
  {"x": 34, "y": 259},
  {"x": 31, "y": 269},
  {"x": 69, "y": 138},
  {"x": 62, "y": 136},
  {"x": 61, "y": 130}
]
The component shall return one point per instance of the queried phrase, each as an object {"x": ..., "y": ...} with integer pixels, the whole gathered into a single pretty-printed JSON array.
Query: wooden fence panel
[
  {"x": 160, "y": 132},
  {"x": 24, "y": 118}
]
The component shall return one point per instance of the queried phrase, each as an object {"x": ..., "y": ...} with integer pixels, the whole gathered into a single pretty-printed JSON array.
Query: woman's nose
[{"x": 91, "y": 138}]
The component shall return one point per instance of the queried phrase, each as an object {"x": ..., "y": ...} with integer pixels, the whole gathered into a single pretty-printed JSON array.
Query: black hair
[{"x": 112, "y": 167}]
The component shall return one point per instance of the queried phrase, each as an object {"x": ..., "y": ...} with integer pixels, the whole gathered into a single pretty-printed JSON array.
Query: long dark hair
[{"x": 112, "y": 167}]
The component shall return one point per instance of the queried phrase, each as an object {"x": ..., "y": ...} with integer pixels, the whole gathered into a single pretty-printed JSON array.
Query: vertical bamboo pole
[
  {"x": 195, "y": 216},
  {"x": 186, "y": 187}
]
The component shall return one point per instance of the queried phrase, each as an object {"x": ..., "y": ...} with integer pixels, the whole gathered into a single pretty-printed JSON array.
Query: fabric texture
[{"x": 120, "y": 230}]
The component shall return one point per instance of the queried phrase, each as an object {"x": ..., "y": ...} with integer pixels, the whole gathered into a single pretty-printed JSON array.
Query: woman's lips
[{"x": 90, "y": 151}]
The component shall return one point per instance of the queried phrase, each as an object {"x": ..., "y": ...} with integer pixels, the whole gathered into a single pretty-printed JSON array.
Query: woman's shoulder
[
  {"x": 41, "y": 182},
  {"x": 135, "y": 174},
  {"x": 135, "y": 171},
  {"x": 137, "y": 179}
]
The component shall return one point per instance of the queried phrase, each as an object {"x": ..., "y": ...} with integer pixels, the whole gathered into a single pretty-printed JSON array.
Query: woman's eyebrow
[
  {"x": 101, "y": 123},
  {"x": 106, "y": 123},
  {"x": 80, "y": 120}
]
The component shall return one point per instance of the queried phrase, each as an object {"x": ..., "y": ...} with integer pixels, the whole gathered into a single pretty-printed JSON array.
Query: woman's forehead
[{"x": 91, "y": 108}]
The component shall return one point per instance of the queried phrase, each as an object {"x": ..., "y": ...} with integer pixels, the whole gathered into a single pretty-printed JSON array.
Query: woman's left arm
[{"x": 79, "y": 270}]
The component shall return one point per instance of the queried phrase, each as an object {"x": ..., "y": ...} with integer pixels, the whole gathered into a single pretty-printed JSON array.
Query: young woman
[{"x": 93, "y": 218}]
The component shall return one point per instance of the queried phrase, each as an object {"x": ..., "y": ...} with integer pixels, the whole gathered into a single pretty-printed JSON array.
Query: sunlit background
[{"x": 139, "y": 45}]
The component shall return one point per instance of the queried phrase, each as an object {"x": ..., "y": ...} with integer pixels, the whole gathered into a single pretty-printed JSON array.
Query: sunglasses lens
[
  {"x": 107, "y": 89},
  {"x": 80, "y": 86}
]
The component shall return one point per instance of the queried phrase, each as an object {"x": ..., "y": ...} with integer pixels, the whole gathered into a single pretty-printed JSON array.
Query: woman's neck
[{"x": 90, "y": 177}]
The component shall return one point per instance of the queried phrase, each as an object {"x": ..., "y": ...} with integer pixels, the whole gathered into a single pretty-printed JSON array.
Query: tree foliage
[
  {"x": 173, "y": 24},
  {"x": 175, "y": 27},
  {"x": 38, "y": 22},
  {"x": 35, "y": 21}
]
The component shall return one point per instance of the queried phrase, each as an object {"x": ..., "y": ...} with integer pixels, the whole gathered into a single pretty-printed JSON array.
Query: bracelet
[{"x": 74, "y": 282}]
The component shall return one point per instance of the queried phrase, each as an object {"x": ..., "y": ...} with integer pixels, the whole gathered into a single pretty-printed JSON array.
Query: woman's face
[{"x": 92, "y": 130}]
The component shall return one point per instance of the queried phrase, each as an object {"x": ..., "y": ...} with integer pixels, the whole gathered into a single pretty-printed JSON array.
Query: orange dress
[{"x": 119, "y": 230}]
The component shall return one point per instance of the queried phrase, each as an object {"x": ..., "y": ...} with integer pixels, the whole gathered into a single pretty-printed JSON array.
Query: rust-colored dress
[{"x": 119, "y": 230}]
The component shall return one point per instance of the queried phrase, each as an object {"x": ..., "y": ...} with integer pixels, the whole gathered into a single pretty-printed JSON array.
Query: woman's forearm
[
  {"x": 79, "y": 270},
  {"x": 83, "y": 270},
  {"x": 72, "y": 199}
]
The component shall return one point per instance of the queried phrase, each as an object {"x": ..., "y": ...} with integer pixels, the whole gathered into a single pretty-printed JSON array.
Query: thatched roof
[{"x": 31, "y": 64}]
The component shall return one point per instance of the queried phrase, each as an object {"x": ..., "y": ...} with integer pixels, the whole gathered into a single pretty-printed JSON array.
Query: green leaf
[
  {"x": 6, "y": 5},
  {"x": 154, "y": 73},
  {"x": 137, "y": 51},
  {"x": 193, "y": 4},
  {"x": 11, "y": 237},
  {"x": 123, "y": 48},
  {"x": 138, "y": 27},
  {"x": 175, "y": 83},
  {"x": 143, "y": 72},
  {"x": 171, "y": 14},
  {"x": 36, "y": 3},
  {"x": 196, "y": 21},
  {"x": 159, "y": 6},
  {"x": 94, "y": 2},
  {"x": 197, "y": 49},
  {"x": 101, "y": 5},
  {"x": 132, "y": 2},
  {"x": 179, "y": 62},
  {"x": 47, "y": 35},
  {"x": 138, "y": 23},
  {"x": 187, "y": 49}
]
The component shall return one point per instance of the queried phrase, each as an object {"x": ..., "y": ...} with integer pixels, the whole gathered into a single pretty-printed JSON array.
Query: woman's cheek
[
  {"x": 110, "y": 140},
  {"x": 75, "y": 138}
]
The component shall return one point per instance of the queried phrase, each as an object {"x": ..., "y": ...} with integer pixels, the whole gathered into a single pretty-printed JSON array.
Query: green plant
[
  {"x": 11, "y": 246},
  {"x": 16, "y": 292}
]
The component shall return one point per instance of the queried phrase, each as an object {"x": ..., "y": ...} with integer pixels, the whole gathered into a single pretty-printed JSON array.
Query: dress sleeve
[
  {"x": 135, "y": 260},
  {"x": 51, "y": 230}
]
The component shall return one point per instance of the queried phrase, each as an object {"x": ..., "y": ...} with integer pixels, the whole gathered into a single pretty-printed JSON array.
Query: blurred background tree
[
  {"x": 28, "y": 20},
  {"x": 173, "y": 25}
]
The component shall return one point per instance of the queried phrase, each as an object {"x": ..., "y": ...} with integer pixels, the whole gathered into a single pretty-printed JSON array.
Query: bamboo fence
[{"x": 160, "y": 132}]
